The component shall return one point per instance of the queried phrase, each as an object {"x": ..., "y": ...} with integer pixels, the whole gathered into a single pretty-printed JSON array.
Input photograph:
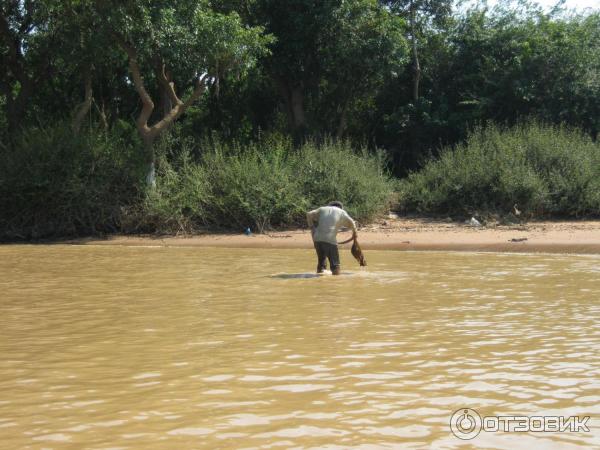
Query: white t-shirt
[{"x": 329, "y": 220}]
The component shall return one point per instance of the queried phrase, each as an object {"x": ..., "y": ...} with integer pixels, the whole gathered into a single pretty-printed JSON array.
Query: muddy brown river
[{"x": 177, "y": 348}]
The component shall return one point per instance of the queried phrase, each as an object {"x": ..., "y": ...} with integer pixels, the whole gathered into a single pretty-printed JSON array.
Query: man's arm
[{"x": 349, "y": 222}]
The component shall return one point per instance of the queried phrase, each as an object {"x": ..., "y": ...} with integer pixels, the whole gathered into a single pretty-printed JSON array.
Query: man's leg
[
  {"x": 334, "y": 259},
  {"x": 321, "y": 258}
]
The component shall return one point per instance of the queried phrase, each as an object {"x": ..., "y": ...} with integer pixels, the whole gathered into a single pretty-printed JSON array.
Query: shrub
[
  {"x": 54, "y": 183},
  {"x": 333, "y": 170},
  {"x": 253, "y": 187},
  {"x": 544, "y": 169},
  {"x": 180, "y": 199},
  {"x": 262, "y": 185}
]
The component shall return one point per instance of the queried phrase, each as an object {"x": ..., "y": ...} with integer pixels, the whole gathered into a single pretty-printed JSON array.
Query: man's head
[{"x": 336, "y": 204}]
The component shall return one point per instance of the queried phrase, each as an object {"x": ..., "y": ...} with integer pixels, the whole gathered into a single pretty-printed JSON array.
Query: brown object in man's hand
[
  {"x": 358, "y": 254},
  {"x": 356, "y": 250}
]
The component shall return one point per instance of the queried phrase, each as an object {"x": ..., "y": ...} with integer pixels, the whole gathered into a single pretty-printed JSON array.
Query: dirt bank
[{"x": 406, "y": 234}]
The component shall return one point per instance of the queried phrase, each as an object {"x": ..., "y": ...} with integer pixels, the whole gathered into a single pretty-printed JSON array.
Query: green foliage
[
  {"x": 304, "y": 68},
  {"x": 188, "y": 36},
  {"x": 544, "y": 169},
  {"x": 329, "y": 58},
  {"x": 53, "y": 183},
  {"x": 226, "y": 42},
  {"x": 500, "y": 65},
  {"x": 254, "y": 187},
  {"x": 523, "y": 63},
  {"x": 178, "y": 203},
  {"x": 264, "y": 185},
  {"x": 368, "y": 42},
  {"x": 332, "y": 170}
]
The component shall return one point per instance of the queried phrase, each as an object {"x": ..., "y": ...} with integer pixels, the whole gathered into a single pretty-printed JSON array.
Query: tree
[
  {"x": 23, "y": 54},
  {"x": 510, "y": 64},
  {"x": 365, "y": 46},
  {"x": 181, "y": 42},
  {"x": 420, "y": 14},
  {"x": 328, "y": 55},
  {"x": 81, "y": 55},
  {"x": 52, "y": 52},
  {"x": 295, "y": 63}
]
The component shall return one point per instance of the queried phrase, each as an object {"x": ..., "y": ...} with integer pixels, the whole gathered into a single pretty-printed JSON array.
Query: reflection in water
[{"x": 154, "y": 348}]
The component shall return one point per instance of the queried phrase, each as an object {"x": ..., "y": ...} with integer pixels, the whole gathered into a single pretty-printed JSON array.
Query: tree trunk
[
  {"x": 166, "y": 99},
  {"x": 343, "y": 121},
  {"x": 297, "y": 106},
  {"x": 150, "y": 161},
  {"x": 102, "y": 113},
  {"x": 293, "y": 98},
  {"x": 149, "y": 133},
  {"x": 84, "y": 107},
  {"x": 415, "y": 54}
]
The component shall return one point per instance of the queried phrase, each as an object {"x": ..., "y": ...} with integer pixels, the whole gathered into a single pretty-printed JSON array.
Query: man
[{"x": 324, "y": 223}]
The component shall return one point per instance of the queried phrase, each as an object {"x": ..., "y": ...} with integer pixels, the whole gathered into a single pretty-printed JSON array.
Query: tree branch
[
  {"x": 102, "y": 114},
  {"x": 149, "y": 133},
  {"x": 138, "y": 83},
  {"x": 198, "y": 91},
  {"x": 179, "y": 109},
  {"x": 166, "y": 84}
]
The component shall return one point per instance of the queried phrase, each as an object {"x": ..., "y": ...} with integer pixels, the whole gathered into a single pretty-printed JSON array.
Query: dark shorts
[{"x": 325, "y": 251}]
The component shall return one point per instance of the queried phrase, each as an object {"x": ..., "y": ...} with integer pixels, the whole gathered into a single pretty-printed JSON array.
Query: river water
[{"x": 172, "y": 348}]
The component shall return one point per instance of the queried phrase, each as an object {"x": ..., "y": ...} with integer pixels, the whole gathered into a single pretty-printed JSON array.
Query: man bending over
[{"x": 324, "y": 223}]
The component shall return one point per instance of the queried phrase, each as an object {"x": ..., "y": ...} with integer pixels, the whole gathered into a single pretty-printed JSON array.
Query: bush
[
  {"x": 333, "y": 170},
  {"x": 254, "y": 187},
  {"x": 179, "y": 201},
  {"x": 54, "y": 183},
  {"x": 544, "y": 169},
  {"x": 263, "y": 185}
]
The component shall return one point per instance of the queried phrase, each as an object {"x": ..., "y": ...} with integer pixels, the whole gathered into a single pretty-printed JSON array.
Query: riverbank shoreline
[{"x": 581, "y": 237}]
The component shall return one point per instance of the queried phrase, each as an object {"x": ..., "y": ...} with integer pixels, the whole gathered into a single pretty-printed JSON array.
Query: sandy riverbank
[{"x": 405, "y": 234}]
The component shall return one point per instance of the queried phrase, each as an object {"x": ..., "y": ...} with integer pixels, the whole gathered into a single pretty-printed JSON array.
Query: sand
[{"x": 398, "y": 233}]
